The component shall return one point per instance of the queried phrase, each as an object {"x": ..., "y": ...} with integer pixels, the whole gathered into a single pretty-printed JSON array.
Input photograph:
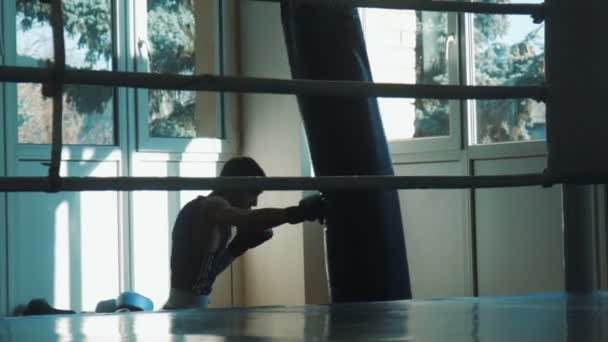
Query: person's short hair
[{"x": 242, "y": 167}]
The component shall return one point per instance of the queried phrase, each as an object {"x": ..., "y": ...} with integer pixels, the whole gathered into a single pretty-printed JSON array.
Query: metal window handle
[
  {"x": 451, "y": 39},
  {"x": 142, "y": 45},
  {"x": 144, "y": 53}
]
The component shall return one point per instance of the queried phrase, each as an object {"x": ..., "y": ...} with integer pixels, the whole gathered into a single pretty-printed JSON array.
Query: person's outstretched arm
[{"x": 309, "y": 209}]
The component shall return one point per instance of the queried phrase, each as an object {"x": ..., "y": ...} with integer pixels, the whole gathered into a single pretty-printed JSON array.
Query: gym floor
[{"x": 546, "y": 317}]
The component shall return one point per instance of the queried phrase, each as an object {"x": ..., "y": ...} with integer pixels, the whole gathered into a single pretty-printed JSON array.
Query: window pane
[
  {"x": 171, "y": 28},
  {"x": 409, "y": 47},
  {"x": 509, "y": 50},
  {"x": 88, "y": 116}
]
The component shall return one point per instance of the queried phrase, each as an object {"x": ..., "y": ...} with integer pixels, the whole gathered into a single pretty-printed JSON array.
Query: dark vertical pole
[
  {"x": 578, "y": 238},
  {"x": 575, "y": 123},
  {"x": 55, "y": 89}
]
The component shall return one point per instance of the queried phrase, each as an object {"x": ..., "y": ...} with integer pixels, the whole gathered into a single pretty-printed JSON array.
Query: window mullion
[
  {"x": 9, "y": 32},
  {"x": 468, "y": 76},
  {"x": 453, "y": 48}
]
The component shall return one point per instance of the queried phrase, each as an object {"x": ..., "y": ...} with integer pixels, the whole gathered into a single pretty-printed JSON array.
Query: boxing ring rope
[
  {"x": 207, "y": 82},
  {"x": 54, "y": 77},
  {"x": 32, "y": 184},
  {"x": 324, "y": 183},
  {"x": 537, "y": 11}
]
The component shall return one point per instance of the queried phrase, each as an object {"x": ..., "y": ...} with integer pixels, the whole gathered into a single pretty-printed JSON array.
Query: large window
[
  {"x": 88, "y": 115},
  {"x": 425, "y": 48},
  {"x": 182, "y": 37},
  {"x": 171, "y": 29},
  {"x": 507, "y": 51},
  {"x": 410, "y": 47},
  {"x": 167, "y": 36}
]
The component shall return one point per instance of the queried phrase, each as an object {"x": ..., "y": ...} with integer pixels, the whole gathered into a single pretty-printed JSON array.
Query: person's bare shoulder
[
  {"x": 215, "y": 203},
  {"x": 209, "y": 230},
  {"x": 219, "y": 211}
]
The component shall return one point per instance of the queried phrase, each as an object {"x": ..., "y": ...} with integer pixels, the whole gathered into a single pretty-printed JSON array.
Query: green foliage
[
  {"x": 500, "y": 64},
  {"x": 23, "y": 114},
  {"x": 32, "y": 11},
  {"x": 171, "y": 31},
  {"x": 490, "y": 27},
  {"x": 178, "y": 124},
  {"x": 88, "y": 20},
  {"x": 88, "y": 99}
]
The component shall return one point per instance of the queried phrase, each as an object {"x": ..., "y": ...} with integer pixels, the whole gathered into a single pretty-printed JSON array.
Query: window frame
[
  {"x": 11, "y": 94},
  {"x": 16, "y": 151},
  {"x": 453, "y": 141},
  {"x": 463, "y": 119},
  {"x": 506, "y": 149},
  {"x": 226, "y": 107},
  {"x": 4, "y": 278}
]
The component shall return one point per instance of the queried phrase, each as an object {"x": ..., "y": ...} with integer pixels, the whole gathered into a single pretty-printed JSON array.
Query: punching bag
[{"x": 365, "y": 244}]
